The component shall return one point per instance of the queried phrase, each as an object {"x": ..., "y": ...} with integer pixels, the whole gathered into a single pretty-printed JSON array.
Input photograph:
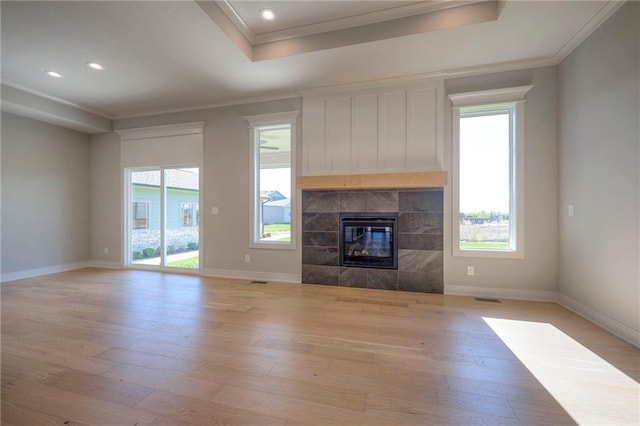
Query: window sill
[
  {"x": 495, "y": 254},
  {"x": 272, "y": 245}
]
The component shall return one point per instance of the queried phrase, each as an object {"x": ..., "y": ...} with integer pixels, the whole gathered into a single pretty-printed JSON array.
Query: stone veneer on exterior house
[{"x": 420, "y": 225}]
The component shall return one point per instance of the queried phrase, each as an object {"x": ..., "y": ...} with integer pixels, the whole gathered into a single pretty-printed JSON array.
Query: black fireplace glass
[{"x": 369, "y": 240}]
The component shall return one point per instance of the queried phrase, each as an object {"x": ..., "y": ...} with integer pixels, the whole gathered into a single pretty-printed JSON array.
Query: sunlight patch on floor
[{"x": 592, "y": 391}]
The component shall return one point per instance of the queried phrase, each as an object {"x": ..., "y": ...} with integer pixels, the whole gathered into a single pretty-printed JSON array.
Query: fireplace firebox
[{"x": 369, "y": 240}]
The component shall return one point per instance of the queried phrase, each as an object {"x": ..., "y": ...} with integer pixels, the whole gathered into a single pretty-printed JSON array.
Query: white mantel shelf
[{"x": 373, "y": 181}]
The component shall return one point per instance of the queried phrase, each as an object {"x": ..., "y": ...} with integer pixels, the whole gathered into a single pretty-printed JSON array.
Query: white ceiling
[
  {"x": 293, "y": 14},
  {"x": 166, "y": 56}
]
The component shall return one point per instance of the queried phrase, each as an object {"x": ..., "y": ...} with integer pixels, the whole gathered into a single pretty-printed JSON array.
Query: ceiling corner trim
[
  {"x": 216, "y": 13},
  {"x": 233, "y": 16},
  {"x": 17, "y": 86},
  {"x": 594, "y": 23},
  {"x": 31, "y": 105},
  {"x": 276, "y": 96}
]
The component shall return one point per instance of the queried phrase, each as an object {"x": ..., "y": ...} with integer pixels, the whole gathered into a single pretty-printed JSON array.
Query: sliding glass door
[{"x": 163, "y": 211}]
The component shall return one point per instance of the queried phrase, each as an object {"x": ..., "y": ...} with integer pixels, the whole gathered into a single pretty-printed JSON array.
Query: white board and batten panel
[
  {"x": 390, "y": 129},
  {"x": 392, "y": 125},
  {"x": 338, "y": 134},
  {"x": 365, "y": 136}
]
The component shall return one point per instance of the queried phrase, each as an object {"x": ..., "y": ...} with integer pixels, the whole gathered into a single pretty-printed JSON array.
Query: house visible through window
[
  {"x": 190, "y": 214},
  {"x": 273, "y": 151},
  {"x": 140, "y": 215},
  {"x": 488, "y": 166}
]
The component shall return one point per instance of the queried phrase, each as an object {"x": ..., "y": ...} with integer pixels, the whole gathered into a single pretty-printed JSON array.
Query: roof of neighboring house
[
  {"x": 278, "y": 203},
  {"x": 272, "y": 195},
  {"x": 176, "y": 178}
]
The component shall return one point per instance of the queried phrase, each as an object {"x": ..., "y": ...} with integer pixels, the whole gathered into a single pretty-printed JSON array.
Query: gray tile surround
[{"x": 420, "y": 229}]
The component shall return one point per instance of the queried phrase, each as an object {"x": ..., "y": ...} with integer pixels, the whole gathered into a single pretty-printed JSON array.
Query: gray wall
[
  {"x": 536, "y": 275},
  {"x": 106, "y": 213},
  {"x": 599, "y": 162},
  {"x": 45, "y": 195},
  {"x": 581, "y": 148},
  {"x": 226, "y": 186}
]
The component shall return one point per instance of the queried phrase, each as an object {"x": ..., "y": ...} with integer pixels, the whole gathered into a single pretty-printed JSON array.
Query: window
[
  {"x": 189, "y": 214},
  {"x": 488, "y": 173},
  {"x": 140, "y": 215},
  {"x": 272, "y": 179}
]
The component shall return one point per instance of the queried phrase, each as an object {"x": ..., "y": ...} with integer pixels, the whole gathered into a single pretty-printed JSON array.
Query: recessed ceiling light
[
  {"x": 267, "y": 14},
  {"x": 94, "y": 65},
  {"x": 53, "y": 74}
]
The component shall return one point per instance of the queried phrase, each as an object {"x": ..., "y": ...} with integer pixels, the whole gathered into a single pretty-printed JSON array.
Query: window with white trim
[
  {"x": 488, "y": 173},
  {"x": 140, "y": 215},
  {"x": 273, "y": 141},
  {"x": 189, "y": 214}
]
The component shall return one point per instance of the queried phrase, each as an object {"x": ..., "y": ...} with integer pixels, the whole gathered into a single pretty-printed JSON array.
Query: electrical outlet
[
  {"x": 570, "y": 210},
  {"x": 471, "y": 270},
  {"x": 106, "y": 250},
  {"x": 247, "y": 258},
  {"x": 215, "y": 210}
]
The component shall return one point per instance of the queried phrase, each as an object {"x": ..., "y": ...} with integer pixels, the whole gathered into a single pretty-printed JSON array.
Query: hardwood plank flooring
[{"x": 112, "y": 347}]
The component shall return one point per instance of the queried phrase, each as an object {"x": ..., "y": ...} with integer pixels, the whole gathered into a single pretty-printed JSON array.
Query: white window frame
[
  {"x": 194, "y": 214},
  {"x": 512, "y": 100},
  {"x": 159, "y": 148},
  {"x": 257, "y": 123},
  {"x": 133, "y": 211}
]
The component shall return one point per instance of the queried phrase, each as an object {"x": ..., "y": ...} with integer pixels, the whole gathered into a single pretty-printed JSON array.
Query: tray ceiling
[{"x": 180, "y": 55}]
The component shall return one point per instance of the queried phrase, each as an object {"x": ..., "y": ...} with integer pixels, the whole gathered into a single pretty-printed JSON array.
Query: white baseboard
[
  {"x": 104, "y": 264},
  {"x": 624, "y": 332},
  {"x": 501, "y": 293},
  {"x": 253, "y": 275},
  {"x": 31, "y": 273}
]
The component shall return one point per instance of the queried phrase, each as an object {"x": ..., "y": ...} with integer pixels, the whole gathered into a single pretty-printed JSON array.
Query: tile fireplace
[{"x": 385, "y": 239}]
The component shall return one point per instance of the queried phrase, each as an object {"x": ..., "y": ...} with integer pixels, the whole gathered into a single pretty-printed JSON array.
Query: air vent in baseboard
[{"x": 486, "y": 299}]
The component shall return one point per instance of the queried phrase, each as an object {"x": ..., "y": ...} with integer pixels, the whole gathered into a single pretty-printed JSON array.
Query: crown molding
[
  {"x": 459, "y": 16},
  {"x": 594, "y": 23},
  {"x": 11, "y": 83},
  {"x": 227, "y": 103},
  {"x": 374, "y": 17},
  {"x": 36, "y": 107},
  {"x": 604, "y": 13},
  {"x": 433, "y": 78},
  {"x": 236, "y": 20},
  {"x": 216, "y": 13}
]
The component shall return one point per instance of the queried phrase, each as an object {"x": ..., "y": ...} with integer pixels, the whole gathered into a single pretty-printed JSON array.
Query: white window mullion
[{"x": 163, "y": 216}]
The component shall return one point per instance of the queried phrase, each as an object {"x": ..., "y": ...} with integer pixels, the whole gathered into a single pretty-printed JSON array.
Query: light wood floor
[{"x": 106, "y": 347}]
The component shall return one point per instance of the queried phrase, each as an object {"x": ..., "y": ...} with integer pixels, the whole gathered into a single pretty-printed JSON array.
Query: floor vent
[
  {"x": 258, "y": 282},
  {"x": 486, "y": 299}
]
